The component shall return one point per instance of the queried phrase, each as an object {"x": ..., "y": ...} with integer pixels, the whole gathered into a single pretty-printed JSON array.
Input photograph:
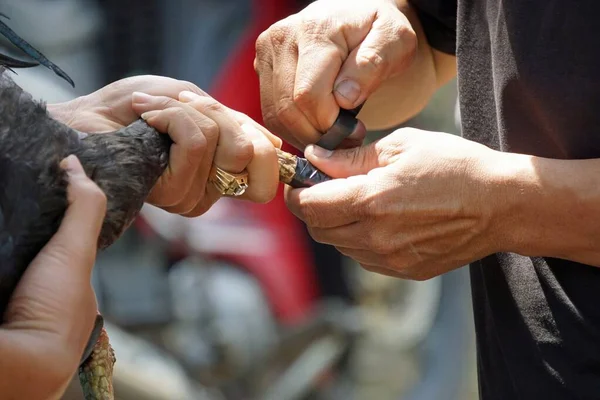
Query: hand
[
  {"x": 230, "y": 140},
  {"x": 52, "y": 311},
  {"x": 332, "y": 54},
  {"x": 413, "y": 205},
  {"x": 182, "y": 189}
]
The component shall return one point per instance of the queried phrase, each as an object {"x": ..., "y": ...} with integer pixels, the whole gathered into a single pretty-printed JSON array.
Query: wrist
[
  {"x": 534, "y": 196},
  {"x": 511, "y": 190}
]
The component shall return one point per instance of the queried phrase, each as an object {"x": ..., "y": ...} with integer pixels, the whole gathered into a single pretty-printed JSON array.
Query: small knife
[{"x": 298, "y": 172}]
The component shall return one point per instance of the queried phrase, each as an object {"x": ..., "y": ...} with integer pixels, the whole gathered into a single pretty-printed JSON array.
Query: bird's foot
[{"x": 96, "y": 372}]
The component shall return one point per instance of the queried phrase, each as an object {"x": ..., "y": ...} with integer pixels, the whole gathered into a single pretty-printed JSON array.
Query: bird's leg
[{"x": 96, "y": 371}]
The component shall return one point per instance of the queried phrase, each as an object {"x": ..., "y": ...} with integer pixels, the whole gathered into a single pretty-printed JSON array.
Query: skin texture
[{"x": 337, "y": 54}]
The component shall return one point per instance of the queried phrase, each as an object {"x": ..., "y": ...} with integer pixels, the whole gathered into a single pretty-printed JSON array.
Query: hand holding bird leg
[{"x": 52, "y": 311}]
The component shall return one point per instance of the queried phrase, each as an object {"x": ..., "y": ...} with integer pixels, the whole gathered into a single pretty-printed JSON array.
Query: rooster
[{"x": 125, "y": 164}]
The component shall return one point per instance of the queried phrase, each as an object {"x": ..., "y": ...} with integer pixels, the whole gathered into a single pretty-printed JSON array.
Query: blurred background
[{"x": 278, "y": 316}]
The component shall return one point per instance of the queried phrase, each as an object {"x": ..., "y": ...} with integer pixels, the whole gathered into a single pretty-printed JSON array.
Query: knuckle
[
  {"x": 371, "y": 60},
  {"x": 243, "y": 151},
  {"x": 279, "y": 34},
  {"x": 269, "y": 115},
  {"x": 207, "y": 105},
  {"x": 173, "y": 113},
  {"x": 262, "y": 45},
  {"x": 210, "y": 129},
  {"x": 196, "y": 145},
  {"x": 309, "y": 214},
  {"x": 213, "y": 105},
  {"x": 408, "y": 38},
  {"x": 166, "y": 102},
  {"x": 178, "y": 113},
  {"x": 305, "y": 97},
  {"x": 316, "y": 26},
  {"x": 286, "y": 111}
]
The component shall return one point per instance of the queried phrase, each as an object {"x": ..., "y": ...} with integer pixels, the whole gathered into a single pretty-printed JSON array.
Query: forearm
[
  {"x": 402, "y": 97},
  {"x": 550, "y": 208},
  {"x": 25, "y": 374}
]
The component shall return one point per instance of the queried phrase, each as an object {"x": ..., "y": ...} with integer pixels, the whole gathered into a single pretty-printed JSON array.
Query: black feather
[
  {"x": 29, "y": 50},
  {"x": 10, "y": 62},
  {"x": 125, "y": 164}
]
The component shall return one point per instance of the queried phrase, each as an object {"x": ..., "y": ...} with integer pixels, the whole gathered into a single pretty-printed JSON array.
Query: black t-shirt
[{"x": 528, "y": 78}]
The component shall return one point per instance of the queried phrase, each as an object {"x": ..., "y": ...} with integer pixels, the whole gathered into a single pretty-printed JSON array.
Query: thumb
[
  {"x": 344, "y": 162},
  {"x": 387, "y": 50}
]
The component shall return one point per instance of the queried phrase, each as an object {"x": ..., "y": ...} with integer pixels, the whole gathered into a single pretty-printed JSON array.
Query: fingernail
[
  {"x": 317, "y": 151},
  {"x": 349, "y": 90},
  {"x": 188, "y": 96},
  {"x": 141, "y": 98},
  {"x": 71, "y": 164},
  {"x": 149, "y": 114}
]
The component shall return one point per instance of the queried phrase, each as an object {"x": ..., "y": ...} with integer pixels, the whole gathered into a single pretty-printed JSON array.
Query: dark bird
[{"x": 125, "y": 164}]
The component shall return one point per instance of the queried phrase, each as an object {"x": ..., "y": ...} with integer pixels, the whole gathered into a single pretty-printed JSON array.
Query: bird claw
[
  {"x": 96, "y": 371},
  {"x": 94, "y": 336}
]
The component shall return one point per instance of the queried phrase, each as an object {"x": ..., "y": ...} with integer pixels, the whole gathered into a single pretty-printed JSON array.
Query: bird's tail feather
[{"x": 29, "y": 50}]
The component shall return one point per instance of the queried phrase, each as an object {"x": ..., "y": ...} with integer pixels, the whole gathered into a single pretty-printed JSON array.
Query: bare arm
[
  {"x": 402, "y": 97},
  {"x": 336, "y": 54},
  {"x": 549, "y": 207}
]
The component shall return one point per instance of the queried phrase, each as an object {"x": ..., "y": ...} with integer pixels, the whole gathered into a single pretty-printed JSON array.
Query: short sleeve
[{"x": 438, "y": 18}]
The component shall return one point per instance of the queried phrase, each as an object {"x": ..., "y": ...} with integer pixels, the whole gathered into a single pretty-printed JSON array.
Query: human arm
[
  {"x": 401, "y": 97},
  {"x": 305, "y": 61},
  {"x": 549, "y": 207},
  {"x": 417, "y": 204},
  {"x": 52, "y": 311}
]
